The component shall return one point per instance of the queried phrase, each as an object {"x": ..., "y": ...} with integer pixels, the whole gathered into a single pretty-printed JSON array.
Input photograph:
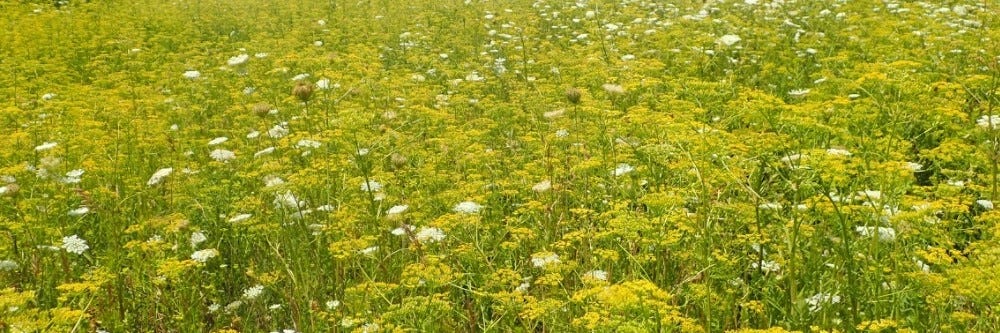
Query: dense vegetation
[{"x": 500, "y": 166}]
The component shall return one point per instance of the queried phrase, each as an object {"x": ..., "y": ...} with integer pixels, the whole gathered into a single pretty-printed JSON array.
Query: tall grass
[{"x": 546, "y": 166}]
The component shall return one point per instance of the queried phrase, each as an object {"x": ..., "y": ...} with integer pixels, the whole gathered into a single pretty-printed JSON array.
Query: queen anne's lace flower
[
  {"x": 430, "y": 235},
  {"x": 74, "y": 244},
  {"x": 159, "y": 175},
  {"x": 467, "y": 207}
]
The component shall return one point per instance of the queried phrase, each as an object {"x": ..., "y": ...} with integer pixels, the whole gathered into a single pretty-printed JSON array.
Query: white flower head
[
  {"x": 402, "y": 230},
  {"x": 817, "y": 301},
  {"x": 238, "y": 60},
  {"x": 542, "y": 186},
  {"x": 253, "y": 292},
  {"x": 82, "y": 210},
  {"x": 543, "y": 259},
  {"x": 729, "y": 40},
  {"x": 371, "y": 186},
  {"x": 323, "y": 84},
  {"x": 885, "y": 234},
  {"x": 263, "y": 152},
  {"x": 159, "y": 175},
  {"x": 277, "y": 132},
  {"x": 222, "y": 155},
  {"x": 767, "y": 266},
  {"x": 622, "y": 169},
  {"x": 271, "y": 181},
  {"x": 397, "y": 209},
  {"x": 614, "y": 89},
  {"x": 870, "y": 195},
  {"x": 203, "y": 256},
  {"x": 8, "y": 265},
  {"x": 197, "y": 237},
  {"x": 218, "y": 141},
  {"x": 989, "y": 121},
  {"x": 792, "y": 158},
  {"x": 233, "y": 306},
  {"x": 985, "y": 204},
  {"x": 73, "y": 177},
  {"x": 596, "y": 275},
  {"x": 770, "y": 206},
  {"x": 191, "y": 75},
  {"x": 306, "y": 143},
  {"x": 430, "y": 235},
  {"x": 240, "y": 218},
  {"x": 75, "y": 173},
  {"x": 467, "y": 207},
  {"x": 45, "y": 146},
  {"x": 368, "y": 251},
  {"x": 554, "y": 114},
  {"x": 74, "y": 244},
  {"x": 287, "y": 200},
  {"x": 838, "y": 152},
  {"x": 798, "y": 92}
]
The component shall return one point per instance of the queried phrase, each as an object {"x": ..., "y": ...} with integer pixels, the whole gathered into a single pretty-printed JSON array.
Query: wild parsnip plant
[{"x": 499, "y": 166}]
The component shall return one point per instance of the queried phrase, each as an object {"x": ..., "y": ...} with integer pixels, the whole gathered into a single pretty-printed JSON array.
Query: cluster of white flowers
[
  {"x": 218, "y": 141},
  {"x": 729, "y": 40},
  {"x": 253, "y": 292},
  {"x": 467, "y": 207},
  {"x": 541, "y": 260},
  {"x": 240, "y": 218},
  {"x": 987, "y": 121},
  {"x": 73, "y": 177},
  {"x": 817, "y": 301},
  {"x": 597, "y": 274},
  {"x": 397, "y": 209},
  {"x": 203, "y": 256},
  {"x": 622, "y": 169},
  {"x": 542, "y": 186},
  {"x": 238, "y": 60},
  {"x": 885, "y": 234},
  {"x": 45, "y": 146},
  {"x": 262, "y": 152},
  {"x": 371, "y": 186},
  {"x": 614, "y": 89},
  {"x": 74, "y": 244},
  {"x": 8, "y": 265},
  {"x": 306, "y": 143},
  {"x": 766, "y": 266},
  {"x": 430, "y": 235},
  {"x": 222, "y": 155},
  {"x": 80, "y": 211},
  {"x": 159, "y": 175},
  {"x": 197, "y": 237},
  {"x": 985, "y": 204},
  {"x": 277, "y": 132}
]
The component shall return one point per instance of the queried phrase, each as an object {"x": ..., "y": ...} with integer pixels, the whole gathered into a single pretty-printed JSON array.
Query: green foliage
[{"x": 511, "y": 166}]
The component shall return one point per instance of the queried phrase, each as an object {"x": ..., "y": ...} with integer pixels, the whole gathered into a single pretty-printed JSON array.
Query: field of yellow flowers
[{"x": 499, "y": 166}]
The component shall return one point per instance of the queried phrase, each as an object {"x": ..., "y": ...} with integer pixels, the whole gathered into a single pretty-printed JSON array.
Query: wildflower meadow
[{"x": 499, "y": 166}]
